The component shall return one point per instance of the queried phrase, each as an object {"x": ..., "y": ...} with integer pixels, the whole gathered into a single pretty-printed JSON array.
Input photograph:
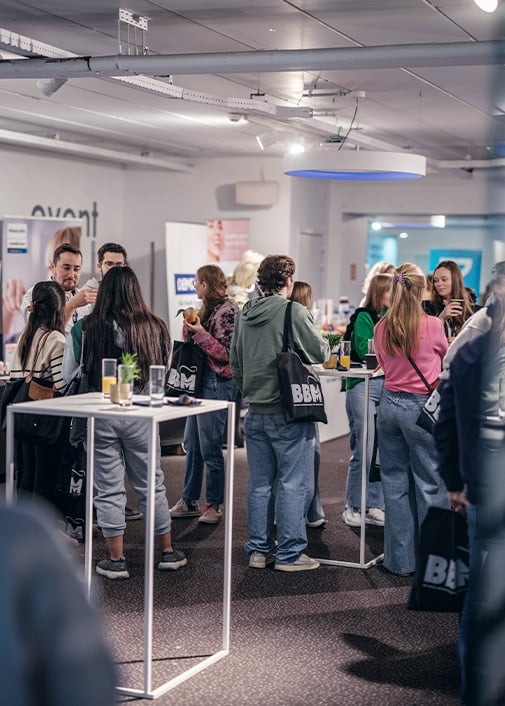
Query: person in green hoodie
[
  {"x": 362, "y": 325},
  {"x": 280, "y": 455}
]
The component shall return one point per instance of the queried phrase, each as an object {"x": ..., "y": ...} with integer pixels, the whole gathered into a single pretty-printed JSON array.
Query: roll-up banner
[{"x": 191, "y": 245}]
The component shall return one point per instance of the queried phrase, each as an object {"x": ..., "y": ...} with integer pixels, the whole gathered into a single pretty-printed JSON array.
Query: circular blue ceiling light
[{"x": 360, "y": 165}]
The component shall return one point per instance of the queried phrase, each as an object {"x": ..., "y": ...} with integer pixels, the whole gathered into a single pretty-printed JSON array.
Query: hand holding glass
[
  {"x": 109, "y": 375},
  {"x": 157, "y": 374}
]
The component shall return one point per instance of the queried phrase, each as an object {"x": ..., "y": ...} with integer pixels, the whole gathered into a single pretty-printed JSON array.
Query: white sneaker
[
  {"x": 352, "y": 517},
  {"x": 375, "y": 516}
]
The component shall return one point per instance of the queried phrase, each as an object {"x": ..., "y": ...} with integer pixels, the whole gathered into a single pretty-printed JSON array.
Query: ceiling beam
[{"x": 377, "y": 57}]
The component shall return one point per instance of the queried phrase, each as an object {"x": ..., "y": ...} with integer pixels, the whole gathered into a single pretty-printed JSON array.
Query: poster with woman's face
[
  {"x": 27, "y": 249},
  {"x": 192, "y": 245}
]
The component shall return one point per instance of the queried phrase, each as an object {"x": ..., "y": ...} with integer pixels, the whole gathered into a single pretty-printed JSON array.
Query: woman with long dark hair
[
  {"x": 404, "y": 337},
  {"x": 39, "y": 352},
  {"x": 203, "y": 437},
  {"x": 121, "y": 322},
  {"x": 450, "y": 300}
]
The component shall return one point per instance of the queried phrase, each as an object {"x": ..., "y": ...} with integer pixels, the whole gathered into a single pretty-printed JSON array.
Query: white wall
[{"x": 133, "y": 206}]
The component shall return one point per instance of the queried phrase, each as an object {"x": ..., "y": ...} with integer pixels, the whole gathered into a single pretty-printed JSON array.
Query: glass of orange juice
[
  {"x": 109, "y": 375},
  {"x": 345, "y": 354}
]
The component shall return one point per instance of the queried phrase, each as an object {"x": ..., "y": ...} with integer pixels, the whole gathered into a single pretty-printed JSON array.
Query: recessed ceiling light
[
  {"x": 376, "y": 225},
  {"x": 487, "y": 5},
  {"x": 403, "y": 235}
]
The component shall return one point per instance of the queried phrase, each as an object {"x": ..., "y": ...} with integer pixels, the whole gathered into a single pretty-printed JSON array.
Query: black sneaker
[
  {"x": 113, "y": 569},
  {"x": 171, "y": 561},
  {"x": 131, "y": 514}
]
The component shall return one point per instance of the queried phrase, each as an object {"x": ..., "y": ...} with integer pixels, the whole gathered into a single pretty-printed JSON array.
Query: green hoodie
[{"x": 257, "y": 340}]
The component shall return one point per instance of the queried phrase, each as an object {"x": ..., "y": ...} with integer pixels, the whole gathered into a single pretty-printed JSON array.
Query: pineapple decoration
[{"x": 333, "y": 342}]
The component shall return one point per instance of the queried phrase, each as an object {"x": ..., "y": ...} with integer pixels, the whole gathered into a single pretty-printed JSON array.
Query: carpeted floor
[{"x": 330, "y": 637}]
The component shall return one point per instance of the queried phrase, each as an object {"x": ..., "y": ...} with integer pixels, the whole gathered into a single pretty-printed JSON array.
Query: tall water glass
[
  {"x": 109, "y": 375},
  {"x": 157, "y": 374}
]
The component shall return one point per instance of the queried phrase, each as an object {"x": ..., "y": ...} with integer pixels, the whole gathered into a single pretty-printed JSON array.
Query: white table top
[
  {"x": 93, "y": 404},
  {"x": 351, "y": 373}
]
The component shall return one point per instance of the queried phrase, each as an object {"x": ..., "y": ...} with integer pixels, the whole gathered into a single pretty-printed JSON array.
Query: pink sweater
[{"x": 400, "y": 375}]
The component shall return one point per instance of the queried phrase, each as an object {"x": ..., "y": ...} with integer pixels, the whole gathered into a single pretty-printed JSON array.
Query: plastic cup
[
  {"x": 157, "y": 375},
  {"x": 109, "y": 375}
]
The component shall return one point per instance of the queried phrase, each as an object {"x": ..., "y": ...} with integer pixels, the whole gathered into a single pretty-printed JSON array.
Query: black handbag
[
  {"x": 186, "y": 370},
  {"x": 441, "y": 577},
  {"x": 41, "y": 429},
  {"x": 302, "y": 397},
  {"x": 430, "y": 411}
]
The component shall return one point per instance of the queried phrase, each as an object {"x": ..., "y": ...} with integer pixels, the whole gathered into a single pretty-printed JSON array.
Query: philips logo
[{"x": 184, "y": 284}]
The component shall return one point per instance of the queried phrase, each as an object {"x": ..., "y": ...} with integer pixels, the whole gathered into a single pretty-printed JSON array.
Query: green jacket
[
  {"x": 362, "y": 331},
  {"x": 257, "y": 340}
]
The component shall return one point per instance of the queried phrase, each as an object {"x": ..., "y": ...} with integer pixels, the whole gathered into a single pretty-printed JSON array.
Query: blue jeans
[
  {"x": 354, "y": 405},
  {"x": 121, "y": 445},
  {"x": 410, "y": 480},
  {"x": 281, "y": 479},
  {"x": 203, "y": 440},
  {"x": 315, "y": 511}
]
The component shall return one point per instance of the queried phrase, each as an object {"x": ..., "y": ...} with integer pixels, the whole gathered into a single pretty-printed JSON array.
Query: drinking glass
[
  {"x": 109, "y": 375},
  {"x": 345, "y": 354},
  {"x": 157, "y": 374},
  {"x": 125, "y": 384}
]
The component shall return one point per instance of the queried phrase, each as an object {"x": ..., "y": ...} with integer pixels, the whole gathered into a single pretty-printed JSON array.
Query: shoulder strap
[
  {"x": 426, "y": 383},
  {"x": 287, "y": 339}
]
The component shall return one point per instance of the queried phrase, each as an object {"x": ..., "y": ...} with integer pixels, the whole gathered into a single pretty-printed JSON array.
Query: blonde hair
[
  {"x": 244, "y": 274},
  {"x": 379, "y": 268},
  {"x": 302, "y": 293},
  {"x": 401, "y": 322}
]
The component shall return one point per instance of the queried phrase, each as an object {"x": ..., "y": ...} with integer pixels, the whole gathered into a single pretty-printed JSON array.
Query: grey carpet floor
[{"x": 331, "y": 637}]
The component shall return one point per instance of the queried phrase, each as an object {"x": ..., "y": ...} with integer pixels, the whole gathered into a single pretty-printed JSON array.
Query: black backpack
[{"x": 350, "y": 327}]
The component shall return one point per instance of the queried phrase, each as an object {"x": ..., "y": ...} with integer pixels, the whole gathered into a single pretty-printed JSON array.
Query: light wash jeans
[
  {"x": 122, "y": 445},
  {"x": 410, "y": 480},
  {"x": 203, "y": 440},
  {"x": 354, "y": 405},
  {"x": 315, "y": 511},
  {"x": 281, "y": 479}
]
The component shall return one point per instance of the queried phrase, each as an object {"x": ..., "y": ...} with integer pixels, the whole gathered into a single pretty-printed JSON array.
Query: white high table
[
  {"x": 93, "y": 406},
  {"x": 366, "y": 375}
]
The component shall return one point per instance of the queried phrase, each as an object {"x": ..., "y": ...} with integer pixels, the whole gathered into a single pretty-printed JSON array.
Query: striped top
[{"x": 49, "y": 359}]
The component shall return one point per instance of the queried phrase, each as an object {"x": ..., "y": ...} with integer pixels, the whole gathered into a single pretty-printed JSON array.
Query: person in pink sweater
[{"x": 409, "y": 477}]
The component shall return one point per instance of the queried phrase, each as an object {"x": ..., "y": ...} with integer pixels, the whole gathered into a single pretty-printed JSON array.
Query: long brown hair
[
  {"x": 377, "y": 288},
  {"x": 215, "y": 292},
  {"x": 401, "y": 322},
  {"x": 458, "y": 291},
  {"x": 120, "y": 305},
  {"x": 302, "y": 293}
]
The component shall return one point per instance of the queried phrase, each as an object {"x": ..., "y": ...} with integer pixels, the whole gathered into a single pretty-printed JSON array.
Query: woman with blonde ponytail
[{"x": 406, "y": 338}]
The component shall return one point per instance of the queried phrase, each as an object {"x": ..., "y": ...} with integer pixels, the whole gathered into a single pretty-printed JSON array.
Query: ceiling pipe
[{"x": 377, "y": 57}]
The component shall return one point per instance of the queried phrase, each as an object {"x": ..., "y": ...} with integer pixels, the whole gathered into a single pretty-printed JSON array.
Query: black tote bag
[
  {"x": 187, "y": 367},
  {"x": 301, "y": 393},
  {"x": 441, "y": 576}
]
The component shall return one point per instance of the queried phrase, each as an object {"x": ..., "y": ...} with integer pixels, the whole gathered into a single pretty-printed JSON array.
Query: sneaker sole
[
  {"x": 317, "y": 523},
  {"x": 182, "y": 515},
  {"x": 112, "y": 574},
  {"x": 261, "y": 564},
  {"x": 172, "y": 565},
  {"x": 297, "y": 567},
  {"x": 377, "y": 523},
  {"x": 132, "y": 518},
  {"x": 351, "y": 523},
  {"x": 209, "y": 521}
]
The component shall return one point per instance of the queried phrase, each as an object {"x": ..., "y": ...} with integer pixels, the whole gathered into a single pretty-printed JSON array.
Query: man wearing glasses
[{"x": 109, "y": 255}]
